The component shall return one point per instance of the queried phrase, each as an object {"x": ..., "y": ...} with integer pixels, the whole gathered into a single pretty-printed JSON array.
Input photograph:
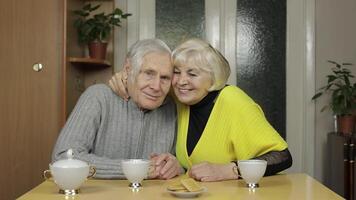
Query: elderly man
[{"x": 103, "y": 129}]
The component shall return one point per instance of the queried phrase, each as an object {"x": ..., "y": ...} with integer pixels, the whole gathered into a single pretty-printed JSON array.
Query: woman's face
[{"x": 190, "y": 83}]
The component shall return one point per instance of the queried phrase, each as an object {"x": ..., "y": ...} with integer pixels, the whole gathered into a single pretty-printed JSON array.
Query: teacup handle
[
  {"x": 92, "y": 172},
  {"x": 47, "y": 174},
  {"x": 236, "y": 171}
]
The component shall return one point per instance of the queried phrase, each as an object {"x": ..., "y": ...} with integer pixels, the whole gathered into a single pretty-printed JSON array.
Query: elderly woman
[{"x": 218, "y": 124}]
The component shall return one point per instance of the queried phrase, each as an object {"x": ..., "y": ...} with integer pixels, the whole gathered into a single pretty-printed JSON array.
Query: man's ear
[
  {"x": 127, "y": 66},
  {"x": 127, "y": 69}
]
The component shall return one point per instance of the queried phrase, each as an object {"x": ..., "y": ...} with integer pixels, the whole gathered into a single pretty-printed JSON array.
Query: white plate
[{"x": 181, "y": 194}]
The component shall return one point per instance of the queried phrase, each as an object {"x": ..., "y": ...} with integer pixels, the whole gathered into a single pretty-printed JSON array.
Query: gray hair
[
  {"x": 141, "y": 48},
  {"x": 206, "y": 58}
]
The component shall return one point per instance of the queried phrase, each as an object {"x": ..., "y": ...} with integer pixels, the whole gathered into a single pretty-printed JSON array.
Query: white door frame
[
  {"x": 220, "y": 30},
  {"x": 300, "y": 78},
  {"x": 221, "y": 33}
]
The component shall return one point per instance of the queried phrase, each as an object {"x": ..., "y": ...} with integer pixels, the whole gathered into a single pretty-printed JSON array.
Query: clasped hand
[
  {"x": 207, "y": 171},
  {"x": 164, "y": 166}
]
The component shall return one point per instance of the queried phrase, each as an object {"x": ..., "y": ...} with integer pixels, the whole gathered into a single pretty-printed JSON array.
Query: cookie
[
  {"x": 191, "y": 185},
  {"x": 176, "y": 187}
]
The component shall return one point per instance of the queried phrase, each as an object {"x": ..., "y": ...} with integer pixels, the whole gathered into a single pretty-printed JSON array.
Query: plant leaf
[
  {"x": 347, "y": 64},
  {"x": 126, "y": 15},
  {"x": 333, "y": 62},
  {"x": 87, "y": 6},
  {"x": 95, "y": 7},
  {"x": 317, "y": 95},
  {"x": 324, "y": 108}
]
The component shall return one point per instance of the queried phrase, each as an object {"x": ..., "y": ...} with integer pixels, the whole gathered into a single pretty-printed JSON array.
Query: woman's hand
[
  {"x": 166, "y": 166},
  {"x": 118, "y": 84},
  {"x": 212, "y": 172}
]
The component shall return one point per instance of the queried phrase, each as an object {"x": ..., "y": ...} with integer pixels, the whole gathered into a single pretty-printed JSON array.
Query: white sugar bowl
[{"x": 69, "y": 174}]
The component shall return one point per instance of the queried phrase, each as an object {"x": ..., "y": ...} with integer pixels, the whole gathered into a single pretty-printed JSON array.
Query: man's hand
[
  {"x": 212, "y": 172},
  {"x": 118, "y": 84},
  {"x": 165, "y": 165}
]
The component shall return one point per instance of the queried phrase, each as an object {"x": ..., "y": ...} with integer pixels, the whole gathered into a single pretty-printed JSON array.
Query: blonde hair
[{"x": 206, "y": 58}]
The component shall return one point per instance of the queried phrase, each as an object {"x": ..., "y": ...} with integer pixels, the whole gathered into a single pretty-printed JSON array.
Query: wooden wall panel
[{"x": 31, "y": 102}]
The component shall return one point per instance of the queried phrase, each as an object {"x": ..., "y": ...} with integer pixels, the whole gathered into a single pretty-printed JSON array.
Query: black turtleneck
[{"x": 199, "y": 115}]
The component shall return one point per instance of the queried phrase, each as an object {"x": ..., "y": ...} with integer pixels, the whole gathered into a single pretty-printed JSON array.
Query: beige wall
[{"x": 335, "y": 34}]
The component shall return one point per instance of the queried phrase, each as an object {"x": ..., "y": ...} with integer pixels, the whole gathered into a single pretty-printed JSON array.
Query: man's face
[{"x": 153, "y": 81}]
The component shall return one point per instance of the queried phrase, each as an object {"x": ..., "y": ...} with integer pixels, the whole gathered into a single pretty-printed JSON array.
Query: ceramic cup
[
  {"x": 252, "y": 171},
  {"x": 135, "y": 170}
]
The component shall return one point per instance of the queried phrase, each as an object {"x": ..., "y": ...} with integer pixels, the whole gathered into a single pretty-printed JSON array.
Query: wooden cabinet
[
  {"x": 341, "y": 167},
  {"x": 31, "y": 103},
  {"x": 34, "y": 105}
]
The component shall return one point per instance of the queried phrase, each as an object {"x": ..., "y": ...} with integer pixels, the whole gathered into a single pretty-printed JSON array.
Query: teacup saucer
[{"x": 182, "y": 194}]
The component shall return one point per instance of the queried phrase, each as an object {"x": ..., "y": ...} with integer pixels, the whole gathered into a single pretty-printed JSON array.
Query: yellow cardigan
[{"x": 236, "y": 130}]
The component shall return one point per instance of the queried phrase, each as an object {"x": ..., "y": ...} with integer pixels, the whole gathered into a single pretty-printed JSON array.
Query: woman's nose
[{"x": 182, "y": 80}]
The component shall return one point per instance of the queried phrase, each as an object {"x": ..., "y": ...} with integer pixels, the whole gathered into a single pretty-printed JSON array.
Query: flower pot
[
  {"x": 346, "y": 124},
  {"x": 97, "y": 50}
]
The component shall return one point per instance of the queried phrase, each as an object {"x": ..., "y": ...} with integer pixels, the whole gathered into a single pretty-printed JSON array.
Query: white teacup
[
  {"x": 252, "y": 171},
  {"x": 69, "y": 174},
  {"x": 135, "y": 170}
]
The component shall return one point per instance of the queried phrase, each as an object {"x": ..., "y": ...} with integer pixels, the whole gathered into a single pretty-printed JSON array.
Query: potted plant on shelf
[
  {"x": 94, "y": 29},
  {"x": 343, "y": 96}
]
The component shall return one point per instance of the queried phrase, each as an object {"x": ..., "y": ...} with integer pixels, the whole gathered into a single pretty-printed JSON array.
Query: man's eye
[
  {"x": 149, "y": 74},
  {"x": 176, "y": 72},
  {"x": 165, "y": 78},
  {"x": 192, "y": 74}
]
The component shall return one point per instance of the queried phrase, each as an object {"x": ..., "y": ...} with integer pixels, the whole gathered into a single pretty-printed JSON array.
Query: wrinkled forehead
[{"x": 158, "y": 61}]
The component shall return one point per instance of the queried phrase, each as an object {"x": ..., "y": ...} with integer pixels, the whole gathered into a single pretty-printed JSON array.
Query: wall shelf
[{"x": 89, "y": 63}]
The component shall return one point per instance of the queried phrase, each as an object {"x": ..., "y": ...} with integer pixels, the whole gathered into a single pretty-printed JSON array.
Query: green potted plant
[
  {"x": 343, "y": 96},
  {"x": 94, "y": 29}
]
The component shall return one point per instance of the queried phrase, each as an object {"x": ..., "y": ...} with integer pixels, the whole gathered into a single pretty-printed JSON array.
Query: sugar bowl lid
[{"x": 70, "y": 162}]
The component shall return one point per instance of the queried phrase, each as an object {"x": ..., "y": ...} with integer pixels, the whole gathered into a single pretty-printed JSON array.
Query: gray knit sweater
[{"x": 103, "y": 129}]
